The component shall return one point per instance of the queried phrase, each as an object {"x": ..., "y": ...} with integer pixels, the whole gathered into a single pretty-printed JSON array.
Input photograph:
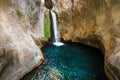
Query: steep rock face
[
  {"x": 93, "y": 22},
  {"x": 19, "y": 19}
]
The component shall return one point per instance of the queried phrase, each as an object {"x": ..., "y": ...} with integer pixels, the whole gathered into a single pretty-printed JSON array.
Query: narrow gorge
[{"x": 22, "y": 32}]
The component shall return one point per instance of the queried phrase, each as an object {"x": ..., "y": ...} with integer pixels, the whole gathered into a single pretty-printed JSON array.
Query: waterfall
[{"x": 54, "y": 26}]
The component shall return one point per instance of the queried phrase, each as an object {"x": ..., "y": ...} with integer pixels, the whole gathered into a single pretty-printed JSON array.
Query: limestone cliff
[
  {"x": 93, "y": 22},
  {"x": 20, "y": 22}
]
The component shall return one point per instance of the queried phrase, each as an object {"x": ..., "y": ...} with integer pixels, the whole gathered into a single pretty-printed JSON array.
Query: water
[
  {"x": 55, "y": 29},
  {"x": 70, "y": 62}
]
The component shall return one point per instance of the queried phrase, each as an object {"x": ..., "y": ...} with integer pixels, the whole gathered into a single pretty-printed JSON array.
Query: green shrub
[{"x": 19, "y": 13}]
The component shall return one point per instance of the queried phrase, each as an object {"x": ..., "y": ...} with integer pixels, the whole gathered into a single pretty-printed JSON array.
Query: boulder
[{"x": 21, "y": 22}]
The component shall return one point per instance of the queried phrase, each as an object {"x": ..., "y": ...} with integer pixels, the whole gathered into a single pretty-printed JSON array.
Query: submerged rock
[
  {"x": 95, "y": 23},
  {"x": 55, "y": 74}
]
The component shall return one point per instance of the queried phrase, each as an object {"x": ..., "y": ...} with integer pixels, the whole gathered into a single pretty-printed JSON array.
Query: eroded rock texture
[
  {"x": 19, "y": 19},
  {"x": 96, "y": 23}
]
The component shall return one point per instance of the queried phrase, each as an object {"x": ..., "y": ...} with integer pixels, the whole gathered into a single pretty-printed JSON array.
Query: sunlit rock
[
  {"x": 18, "y": 52},
  {"x": 95, "y": 23}
]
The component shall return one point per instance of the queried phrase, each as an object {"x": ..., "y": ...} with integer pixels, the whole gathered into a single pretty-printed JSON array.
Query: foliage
[
  {"x": 19, "y": 13},
  {"x": 47, "y": 32}
]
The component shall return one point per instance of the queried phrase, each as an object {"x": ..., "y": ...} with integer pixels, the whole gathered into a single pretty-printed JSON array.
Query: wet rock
[{"x": 48, "y": 4}]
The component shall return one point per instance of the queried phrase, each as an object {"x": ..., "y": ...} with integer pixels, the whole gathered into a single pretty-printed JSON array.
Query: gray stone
[{"x": 18, "y": 52}]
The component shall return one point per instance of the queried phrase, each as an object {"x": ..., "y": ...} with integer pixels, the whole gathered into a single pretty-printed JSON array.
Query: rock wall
[
  {"x": 92, "y": 22},
  {"x": 21, "y": 22},
  {"x": 95, "y": 23}
]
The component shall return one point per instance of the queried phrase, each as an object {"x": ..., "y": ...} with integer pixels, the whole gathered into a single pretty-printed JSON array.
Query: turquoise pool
[{"x": 70, "y": 62}]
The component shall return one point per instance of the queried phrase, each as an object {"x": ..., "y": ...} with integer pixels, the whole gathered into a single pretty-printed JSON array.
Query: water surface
[{"x": 70, "y": 62}]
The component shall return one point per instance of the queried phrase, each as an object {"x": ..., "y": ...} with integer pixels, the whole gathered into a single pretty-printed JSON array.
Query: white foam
[{"x": 58, "y": 43}]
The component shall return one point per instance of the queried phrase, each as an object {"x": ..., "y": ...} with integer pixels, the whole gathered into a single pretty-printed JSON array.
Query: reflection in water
[{"x": 70, "y": 62}]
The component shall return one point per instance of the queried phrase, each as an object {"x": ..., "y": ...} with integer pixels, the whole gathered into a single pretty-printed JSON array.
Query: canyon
[{"x": 92, "y": 22}]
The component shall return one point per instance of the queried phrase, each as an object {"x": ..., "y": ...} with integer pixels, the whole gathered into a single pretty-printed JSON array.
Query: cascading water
[{"x": 56, "y": 40}]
